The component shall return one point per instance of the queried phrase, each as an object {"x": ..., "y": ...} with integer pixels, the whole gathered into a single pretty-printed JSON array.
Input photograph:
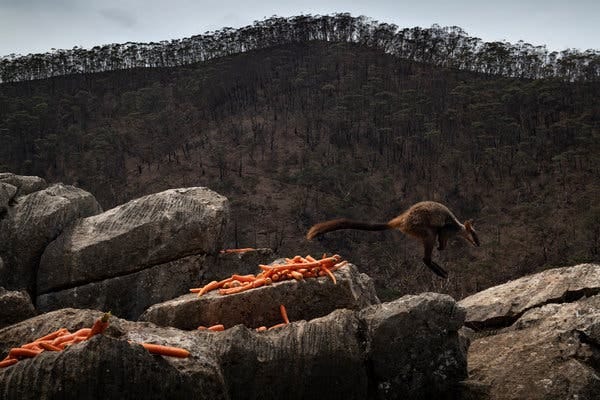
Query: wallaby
[{"x": 426, "y": 221}]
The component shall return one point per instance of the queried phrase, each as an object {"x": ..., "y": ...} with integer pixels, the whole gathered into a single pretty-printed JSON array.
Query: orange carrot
[
  {"x": 8, "y": 362},
  {"x": 278, "y": 326},
  {"x": 62, "y": 339},
  {"x": 338, "y": 266},
  {"x": 32, "y": 346},
  {"x": 243, "y": 278},
  {"x": 202, "y": 328},
  {"x": 261, "y": 329},
  {"x": 328, "y": 272},
  {"x": 216, "y": 328},
  {"x": 275, "y": 277},
  {"x": 166, "y": 350},
  {"x": 234, "y": 290},
  {"x": 100, "y": 325},
  {"x": 211, "y": 286},
  {"x": 53, "y": 335},
  {"x": 311, "y": 258},
  {"x": 297, "y": 275},
  {"x": 83, "y": 332},
  {"x": 259, "y": 282},
  {"x": 243, "y": 250},
  {"x": 284, "y": 314},
  {"x": 46, "y": 345},
  {"x": 19, "y": 352}
]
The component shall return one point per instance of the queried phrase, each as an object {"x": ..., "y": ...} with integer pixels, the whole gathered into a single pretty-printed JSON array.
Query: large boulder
[
  {"x": 32, "y": 223},
  {"x": 24, "y": 184},
  {"x": 538, "y": 337},
  {"x": 501, "y": 305},
  {"x": 305, "y": 299},
  {"x": 15, "y": 306},
  {"x": 551, "y": 352},
  {"x": 414, "y": 347},
  {"x": 144, "y": 232},
  {"x": 129, "y": 295},
  {"x": 338, "y": 356}
]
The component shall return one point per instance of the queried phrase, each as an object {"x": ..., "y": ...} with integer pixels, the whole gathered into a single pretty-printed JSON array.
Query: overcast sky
[{"x": 31, "y": 26}]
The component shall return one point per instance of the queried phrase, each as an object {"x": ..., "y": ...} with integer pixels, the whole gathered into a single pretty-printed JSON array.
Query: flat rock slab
[
  {"x": 305, "y": 299},
  {"x": 129, "y": 295},
  {"x": 32, "y": 223},
  {"x": 151, "y": 230},
  {"x": 550, "y": 352},
  {"x": 503, "y": 304}
]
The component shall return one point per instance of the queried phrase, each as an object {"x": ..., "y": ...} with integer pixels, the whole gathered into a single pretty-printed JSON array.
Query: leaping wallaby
[{"x": 426, "y": 220}]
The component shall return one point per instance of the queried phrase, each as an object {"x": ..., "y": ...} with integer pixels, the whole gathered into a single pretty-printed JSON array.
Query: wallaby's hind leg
[
  {"x": 428, "y": 244},
  {"x": 442, "y": 239}
]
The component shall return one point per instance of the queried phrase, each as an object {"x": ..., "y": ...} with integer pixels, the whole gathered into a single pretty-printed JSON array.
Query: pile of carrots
[
  {"x": 284, "y": 316},
  {"x": 55, "y": 341},
  {"x": 62, "y": 338},
  {"x": 294, "y": 268}
]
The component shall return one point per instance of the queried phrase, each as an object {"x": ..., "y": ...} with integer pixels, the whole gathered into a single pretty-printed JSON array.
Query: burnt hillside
[{"x": 303, "y": 132}]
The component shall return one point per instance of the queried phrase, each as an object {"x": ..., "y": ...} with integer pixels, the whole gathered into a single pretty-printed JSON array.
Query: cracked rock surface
[
  {"x": 549, "y": 347},
  {"x": 408, "y": 348}
]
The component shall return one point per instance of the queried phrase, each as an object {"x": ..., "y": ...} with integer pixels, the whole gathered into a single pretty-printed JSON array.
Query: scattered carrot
[
  {"x": 278, "y": 326},
  {"x": 284, "y": 314},
  {"x": 100, "y": 325},
  {"x": 53, "y": 335},
  {"x": 261, "y": 329},
  {"x": 166, "y": 350},
  {"x": 243, "y": 250},
  {"x": 297, "y": 275},
  {"x": 46, "y": 345},
  {"x": 19, "y": 352},
  {"x": 32, "y": 346},
  {"x": 331, "y": 275},
  {"x": 297, "y": 268},
  {"x": 8, "y": 362},
  {"x": 216, "y": 328}
]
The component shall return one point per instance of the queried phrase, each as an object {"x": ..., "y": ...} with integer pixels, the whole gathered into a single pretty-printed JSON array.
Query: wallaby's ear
[{"x": 469, "y": 224}]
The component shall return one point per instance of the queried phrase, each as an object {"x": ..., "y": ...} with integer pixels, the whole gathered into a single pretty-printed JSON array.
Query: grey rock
[
  {"x": 129, "y": 295},
  {"x": 7, "y": 193},
  {"x": 24, "y": 184},
  {"x": 151, "y": 230},
  {"x": 306, "y": 299},
  {"x": 501, "y": 305},
  {"x": 414, "y": 346},
  {"x": 15, "y": 306},
  {"x": 328, "y": 357},
  {"x": 550, "y": 352},
  {"x": 33, "y": 222}
]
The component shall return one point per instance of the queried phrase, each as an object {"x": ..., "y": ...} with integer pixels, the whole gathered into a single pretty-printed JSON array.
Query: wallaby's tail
[{"x": 342, "y": 223}]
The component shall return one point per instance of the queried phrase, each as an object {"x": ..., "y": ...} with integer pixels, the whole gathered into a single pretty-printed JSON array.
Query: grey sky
[{"x": 28, "y": 26}]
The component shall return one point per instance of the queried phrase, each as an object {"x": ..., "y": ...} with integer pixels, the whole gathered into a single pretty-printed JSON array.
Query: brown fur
[{"x": 427, "y": 221}]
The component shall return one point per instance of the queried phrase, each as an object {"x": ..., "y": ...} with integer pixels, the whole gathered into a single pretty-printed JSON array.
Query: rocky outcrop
[
  {"x": 305, "y": 299},
  {"x": 15, "y": 306},
  {"x": 501, "y": 305},
  {"x": 32, "y": 223},
  {"x": 24, "y": 184},
  {"x": 373, "y": 353},
  {"x": 129, "y": 295},
  {"x": 541, "y": 338},
  {"x": 142, "y": 233}
]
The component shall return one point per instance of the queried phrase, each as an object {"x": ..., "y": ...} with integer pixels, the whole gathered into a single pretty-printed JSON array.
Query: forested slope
[{"x": 298, "y": 133}]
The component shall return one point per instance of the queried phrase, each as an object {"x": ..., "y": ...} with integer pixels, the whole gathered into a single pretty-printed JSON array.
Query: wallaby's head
[{"x": 470, "y": 234}]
